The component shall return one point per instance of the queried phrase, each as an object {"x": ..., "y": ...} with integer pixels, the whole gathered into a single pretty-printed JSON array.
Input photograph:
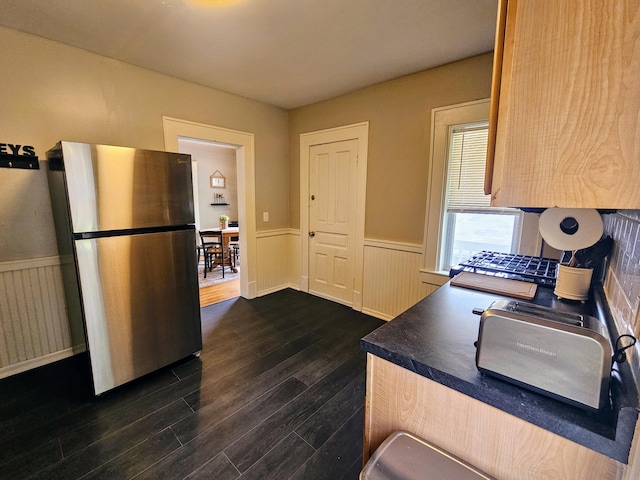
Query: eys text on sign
[{"x": 18, "y": 156}]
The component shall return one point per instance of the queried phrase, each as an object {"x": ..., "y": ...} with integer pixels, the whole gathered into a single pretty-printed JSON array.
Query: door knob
[{"x": 312, "y": 234}]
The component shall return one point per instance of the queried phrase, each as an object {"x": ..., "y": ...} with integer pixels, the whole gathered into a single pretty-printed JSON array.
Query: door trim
[
  {"x": 245, "y": 166},
  {"x": 359, "y": 131}
]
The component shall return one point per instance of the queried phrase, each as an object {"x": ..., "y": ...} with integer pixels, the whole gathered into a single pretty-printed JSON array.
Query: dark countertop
[{"x": 435, "y": 338}]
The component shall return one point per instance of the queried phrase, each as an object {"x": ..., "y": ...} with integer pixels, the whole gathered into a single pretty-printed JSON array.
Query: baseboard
[
  {"x": 253, "y": 290},
  {"x": 332, "y": 299},
  {"x": 267, "y": 291},
  {"x": 16, "y": 368},
  {"x": 376, "y": 314},
  {"x": 357, "y": 301}
]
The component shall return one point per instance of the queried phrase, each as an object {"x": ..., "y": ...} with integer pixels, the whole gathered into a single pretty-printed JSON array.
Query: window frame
[{"x": 442, "y": 119}]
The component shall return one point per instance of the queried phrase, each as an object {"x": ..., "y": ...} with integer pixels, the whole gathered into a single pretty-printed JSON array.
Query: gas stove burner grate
[{"x": 527, "y": 268}]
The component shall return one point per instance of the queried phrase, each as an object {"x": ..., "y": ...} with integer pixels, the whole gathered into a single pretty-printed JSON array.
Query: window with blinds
[
  {"x": 467, "y": 158},
  {"x": 470, "y": 223}
]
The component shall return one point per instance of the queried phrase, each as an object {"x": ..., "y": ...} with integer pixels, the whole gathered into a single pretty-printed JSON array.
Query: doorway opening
[
  {"x": 212, "y": 199},
  {"x": 179, "y": 133}
]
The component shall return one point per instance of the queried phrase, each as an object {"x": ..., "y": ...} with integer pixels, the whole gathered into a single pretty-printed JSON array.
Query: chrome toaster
[{"x": 563, "y": 355}]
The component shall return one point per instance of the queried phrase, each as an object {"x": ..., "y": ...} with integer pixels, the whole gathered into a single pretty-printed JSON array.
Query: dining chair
[
  {"x": 213, "y": 249},
  {"x": 234, "y": 242}
]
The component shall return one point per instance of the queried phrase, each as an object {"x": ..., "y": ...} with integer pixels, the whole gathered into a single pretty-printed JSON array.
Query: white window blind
[{"x": 465, "y": 177}]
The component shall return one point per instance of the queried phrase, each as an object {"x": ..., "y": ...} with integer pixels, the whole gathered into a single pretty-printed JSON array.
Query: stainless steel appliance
[
  {"x": 564, "y": 355},
  {"x": 125, "y": 230}
]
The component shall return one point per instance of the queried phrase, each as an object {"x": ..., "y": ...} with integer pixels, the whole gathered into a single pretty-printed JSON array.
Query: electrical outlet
[{"x": 265, "y": 216}]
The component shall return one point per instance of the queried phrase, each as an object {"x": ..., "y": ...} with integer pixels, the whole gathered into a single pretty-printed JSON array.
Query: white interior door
[{"x": 333, "y": 169}]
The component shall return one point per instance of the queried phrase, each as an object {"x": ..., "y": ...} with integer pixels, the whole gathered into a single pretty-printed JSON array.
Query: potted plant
[{"x": 224, "y": 221}]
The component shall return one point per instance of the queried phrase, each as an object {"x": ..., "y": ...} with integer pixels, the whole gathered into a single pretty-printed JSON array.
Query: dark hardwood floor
[{"x": 278, "y": 393}]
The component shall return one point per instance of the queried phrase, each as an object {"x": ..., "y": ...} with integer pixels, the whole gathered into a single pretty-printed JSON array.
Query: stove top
[{"x": 526, "y": 268}]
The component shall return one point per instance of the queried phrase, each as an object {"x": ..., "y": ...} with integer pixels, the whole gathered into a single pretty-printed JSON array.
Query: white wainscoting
[
  {"x": 295, "y": 258},
  {"x": 278, "y": 255},
  {"x": 392, "y": 278},
  {"x": 34, "y": 329}
]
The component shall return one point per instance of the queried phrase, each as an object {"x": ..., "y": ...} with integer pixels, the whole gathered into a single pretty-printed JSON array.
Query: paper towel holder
[{"x": 570, "y": 228}]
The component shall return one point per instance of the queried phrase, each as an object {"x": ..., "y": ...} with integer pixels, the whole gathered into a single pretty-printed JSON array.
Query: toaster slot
[{"x": 547, "y": 313}]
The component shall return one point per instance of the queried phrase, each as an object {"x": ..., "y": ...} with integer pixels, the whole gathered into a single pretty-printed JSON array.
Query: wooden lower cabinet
[{"x": 496, "y": 442}]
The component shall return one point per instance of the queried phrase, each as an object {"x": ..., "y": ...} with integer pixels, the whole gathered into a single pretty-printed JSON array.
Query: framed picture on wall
[{"x": 218, "y": 180}]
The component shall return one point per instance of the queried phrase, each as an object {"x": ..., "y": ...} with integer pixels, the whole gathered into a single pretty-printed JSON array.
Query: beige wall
[
  {"x": 211, "y": 158},
  {"x": 51, "y": 92},
  {"x": 399, "y": 115}
]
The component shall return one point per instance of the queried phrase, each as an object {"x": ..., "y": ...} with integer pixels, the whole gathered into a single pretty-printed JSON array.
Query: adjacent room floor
[
  {"x": 277, "y": 393},
  {"x": 215, "y": 288}
]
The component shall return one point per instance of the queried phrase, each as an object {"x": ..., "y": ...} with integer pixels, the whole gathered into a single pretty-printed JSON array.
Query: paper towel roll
[{"x": 570, "y": 228}]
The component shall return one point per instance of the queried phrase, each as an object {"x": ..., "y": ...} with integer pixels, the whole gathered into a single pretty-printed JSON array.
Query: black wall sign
[{"x": 18, "y": 156}]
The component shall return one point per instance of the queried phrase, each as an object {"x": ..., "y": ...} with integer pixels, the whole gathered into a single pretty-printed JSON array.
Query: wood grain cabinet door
[{"x": 566, "y": 99}]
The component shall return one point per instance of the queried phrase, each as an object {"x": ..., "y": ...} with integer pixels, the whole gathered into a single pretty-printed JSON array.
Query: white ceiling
[{"x": 287, "y": 53}]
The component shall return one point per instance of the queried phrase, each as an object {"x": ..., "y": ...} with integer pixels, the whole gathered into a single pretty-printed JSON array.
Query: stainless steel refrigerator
[{"x": 125, "y": 229}]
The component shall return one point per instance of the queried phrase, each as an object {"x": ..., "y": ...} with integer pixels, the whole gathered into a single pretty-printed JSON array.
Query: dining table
[{"x": 227, "y": 234}]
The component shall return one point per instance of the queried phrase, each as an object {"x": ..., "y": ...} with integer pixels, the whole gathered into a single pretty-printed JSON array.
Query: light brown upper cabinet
[{"x": 565, "y": 116}]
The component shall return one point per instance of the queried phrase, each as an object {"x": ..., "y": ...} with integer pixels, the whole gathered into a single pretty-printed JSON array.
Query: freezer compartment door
[
  {"x": 140, "y": 302},
  {"x": 119, "y": 188}
]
